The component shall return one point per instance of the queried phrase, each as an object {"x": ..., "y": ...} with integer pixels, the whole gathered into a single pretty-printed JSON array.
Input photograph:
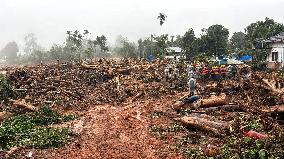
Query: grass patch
[
  {"x": 158, "y": 131},
  {"x": 156, "y": 114},
  {"x": 185, "y": 112},
  {"x": 254, "y": 125},
  {"x": 244, "y": 147},
  {"x": 193, "y": 153},
  {"x": 31, "y": 131},
  {"x": 175, "y": 127}
]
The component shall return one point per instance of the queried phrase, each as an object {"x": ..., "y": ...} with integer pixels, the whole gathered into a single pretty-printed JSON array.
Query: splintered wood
[{"x": 23, "y": 104}]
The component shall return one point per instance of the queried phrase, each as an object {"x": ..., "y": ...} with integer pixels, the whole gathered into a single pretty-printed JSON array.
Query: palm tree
[{"x": 162, "y": 17}]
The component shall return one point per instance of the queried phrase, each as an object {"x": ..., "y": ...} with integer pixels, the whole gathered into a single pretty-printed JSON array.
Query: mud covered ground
[{"x": 125, "y": 110}]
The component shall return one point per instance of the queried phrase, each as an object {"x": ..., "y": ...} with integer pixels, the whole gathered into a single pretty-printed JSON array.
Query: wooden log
[
  {"x": 178, "y": 105},
  {"x": 4, "y": 115},
  {"x": 227, "y": 108},
  {"x": 204, "y": 124},
  {"x": 213, "y": 101},
  {"x": 21, "y": 90},
  {"x": 123, "y": 71},
  {"x": 185, "y": 102},
  {"x": 137, "y": 96},
  {"x": 88, "y": 66},
  {"x": 276, "y": 109},
  {"x": 23, "y": 104},
  {"x": 271, "y": 87}
]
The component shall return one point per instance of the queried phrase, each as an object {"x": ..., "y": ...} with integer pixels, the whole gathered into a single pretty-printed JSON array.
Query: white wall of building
[{"x": 277, "y": 47}]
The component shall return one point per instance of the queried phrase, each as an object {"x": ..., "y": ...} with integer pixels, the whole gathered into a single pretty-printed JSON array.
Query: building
[
  {"x": 275, "y": 58},
  {"x": 173, "y": 52}
]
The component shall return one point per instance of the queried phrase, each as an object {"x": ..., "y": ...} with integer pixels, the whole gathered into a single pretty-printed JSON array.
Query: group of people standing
[{"x": 201, "y": 72}]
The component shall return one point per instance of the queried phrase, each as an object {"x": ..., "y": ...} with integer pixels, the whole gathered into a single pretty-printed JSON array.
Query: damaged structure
[{"x": 275, "y": 58}]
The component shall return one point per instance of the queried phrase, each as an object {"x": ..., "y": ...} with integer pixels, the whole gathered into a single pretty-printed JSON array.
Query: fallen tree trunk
[
  {"x": 23, "y": 104},
  {"x": 227, "y": 108},
  {"x": 21, "y": 89},
  {"x": 275, "y": 109},
  {"x": 204, "y": 124},
  {"x": 178, "y": 105},
  {"x": 185, "y": 102},
  {"x": 4, "y": 115},
  {"x": 214, "y": 101},
  {"x": 88, "y": 66}
]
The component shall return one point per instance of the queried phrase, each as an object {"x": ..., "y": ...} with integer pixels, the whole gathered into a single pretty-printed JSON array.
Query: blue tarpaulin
[
  {"x": 246, "y": 58},
  {"x": 150, "y": 58}
]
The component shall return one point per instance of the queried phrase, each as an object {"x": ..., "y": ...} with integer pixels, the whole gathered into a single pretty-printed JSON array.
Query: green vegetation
[
  {"x": 158, "y": 131},
  {"x": 32, "y": 131},
  {"x": 77, "y": 46},
  {"x": 254, "y": 124},
  {"x": 156, "y": 114},
  {"x": 6, "y": 90},
  {"x": 175, "y": 127},
  {"x": 213, "y": 41},
  {"x": 185, "y": 112},
  {"x": 243, "y": 147},
  {"x": 161, "y": 132}
]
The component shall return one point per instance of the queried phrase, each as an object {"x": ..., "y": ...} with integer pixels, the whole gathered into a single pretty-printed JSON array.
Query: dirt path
[{"x": 115, "y": 132}]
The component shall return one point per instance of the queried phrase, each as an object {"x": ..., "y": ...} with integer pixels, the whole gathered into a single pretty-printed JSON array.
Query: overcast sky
[{"x": 50, "y": 19}]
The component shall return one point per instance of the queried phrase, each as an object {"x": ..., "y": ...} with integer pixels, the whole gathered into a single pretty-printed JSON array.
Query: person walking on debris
[
  {"x": 245, "y": 72},
  {"x": 167, "y": 72},
  {"x": 191, "y": 85},
  {"x": 232, "y": 70},
  {"x": 189, "y": 71},
  {"x": 176, "y": 72}
]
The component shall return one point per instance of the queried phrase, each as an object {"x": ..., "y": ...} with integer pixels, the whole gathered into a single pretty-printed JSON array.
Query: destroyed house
[{"x": 275, "y": 58}]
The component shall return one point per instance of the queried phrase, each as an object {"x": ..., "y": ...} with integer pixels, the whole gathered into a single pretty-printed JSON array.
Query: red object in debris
[{"x": 255, "y": 135}]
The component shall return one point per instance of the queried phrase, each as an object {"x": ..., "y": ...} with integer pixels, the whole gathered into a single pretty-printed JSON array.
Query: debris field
[{"x": 129, "y": 109}]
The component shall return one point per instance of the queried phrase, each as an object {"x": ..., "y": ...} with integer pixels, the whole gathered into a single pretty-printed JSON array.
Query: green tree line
[{"x": 213, "y": 41}]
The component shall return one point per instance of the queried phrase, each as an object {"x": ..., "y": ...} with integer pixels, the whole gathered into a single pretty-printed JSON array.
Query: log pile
[
  {"x": 79, "y": 85},
  {"x": 255, "y": 98}
]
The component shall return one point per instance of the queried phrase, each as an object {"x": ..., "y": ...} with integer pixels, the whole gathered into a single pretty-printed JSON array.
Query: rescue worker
[
  {"x": 176, "y": 72},
  {"x": 204, "y": 73},
  {"x": 191, "y": 85},
  {"x": 232, "y": 70},
  {"x": 197, "y": 71},
  {"x": 215, "y": 72},
  {"x": 190, "y": 71},
  {"x": 245, "y": 72},
  {"x": 223, "y": 71},
  {"x": 167, "y": 72}
]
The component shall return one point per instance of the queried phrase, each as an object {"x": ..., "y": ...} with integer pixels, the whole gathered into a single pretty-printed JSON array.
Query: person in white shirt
[{"x": 191, "y": 85}]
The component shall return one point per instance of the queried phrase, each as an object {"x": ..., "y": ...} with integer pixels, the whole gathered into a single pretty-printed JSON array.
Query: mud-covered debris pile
[
  {"x": 238, "y": 117},
  {"x": 79, "y": 85}
]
